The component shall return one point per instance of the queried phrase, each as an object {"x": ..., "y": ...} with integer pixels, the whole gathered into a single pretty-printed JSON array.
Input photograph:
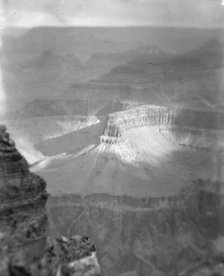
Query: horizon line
[{"x": 113, "y": 26}]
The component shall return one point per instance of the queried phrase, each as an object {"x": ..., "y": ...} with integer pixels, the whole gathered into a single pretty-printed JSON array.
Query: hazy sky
[{"x": 187, "y": 13}]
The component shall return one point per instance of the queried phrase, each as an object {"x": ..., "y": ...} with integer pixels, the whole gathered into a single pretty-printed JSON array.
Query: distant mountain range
[
  {"x": 139, "y": 74},
  {"x": 150, "y": 59},
  {"x": 148, "y": 50}
]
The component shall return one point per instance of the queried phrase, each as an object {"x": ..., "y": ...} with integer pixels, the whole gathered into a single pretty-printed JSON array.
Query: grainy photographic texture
[{"x": 116, "y": 108}]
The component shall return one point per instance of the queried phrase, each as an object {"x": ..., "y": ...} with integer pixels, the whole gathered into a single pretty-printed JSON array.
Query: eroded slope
[{"x": 147, "y": 150}]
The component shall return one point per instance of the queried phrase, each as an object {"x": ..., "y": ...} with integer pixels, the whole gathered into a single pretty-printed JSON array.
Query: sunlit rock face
[
  {"x": 162, "y": 117},
  {"x": 24, "y": 246}
]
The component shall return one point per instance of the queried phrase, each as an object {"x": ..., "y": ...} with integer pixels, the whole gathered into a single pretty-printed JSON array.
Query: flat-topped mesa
[
  {"x": 137, "y": 117},
  {"x": 162, "y": 117}
]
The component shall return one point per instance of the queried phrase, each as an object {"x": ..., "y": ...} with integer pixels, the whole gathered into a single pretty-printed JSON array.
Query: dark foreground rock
[{"x": 25, "y": 248}]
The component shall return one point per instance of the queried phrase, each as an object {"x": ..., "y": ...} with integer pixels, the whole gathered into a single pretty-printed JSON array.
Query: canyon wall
[
  {"x": 165, "y": 236},
  {"x": 180, "y": 233},
  {"x": 25, "y": 248},
  {"x": 164, "y": 118}
]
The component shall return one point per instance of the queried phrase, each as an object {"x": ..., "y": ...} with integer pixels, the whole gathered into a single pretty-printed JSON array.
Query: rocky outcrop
[
  {"x": 162, "y": 117},
  {"x": 145, "y": 115},
  {"x": 22, "y": 210},
  {"x": 25, "y": 248}
]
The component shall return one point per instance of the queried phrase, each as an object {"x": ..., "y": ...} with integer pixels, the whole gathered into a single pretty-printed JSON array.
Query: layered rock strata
[
  {"x": 166, "y": 236},
  {"x": 24, "y": 246},
  {"x": 162, "y": 117},
  {"x": 23, "y": 196}
]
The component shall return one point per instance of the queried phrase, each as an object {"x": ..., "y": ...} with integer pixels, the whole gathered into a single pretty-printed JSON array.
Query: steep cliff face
[
  {"x": 23, "y": 196},
  {"x": 163, "y": 118},
  {"x": 141, "y": 116},
  {"x": 24, "y": 246}
]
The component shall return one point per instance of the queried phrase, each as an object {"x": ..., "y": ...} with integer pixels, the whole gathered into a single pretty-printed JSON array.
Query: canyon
[
  {"x": 147, "y": 150},
  {"x": 129, "y": 139},
  {"x": 153, "y": 199}
]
